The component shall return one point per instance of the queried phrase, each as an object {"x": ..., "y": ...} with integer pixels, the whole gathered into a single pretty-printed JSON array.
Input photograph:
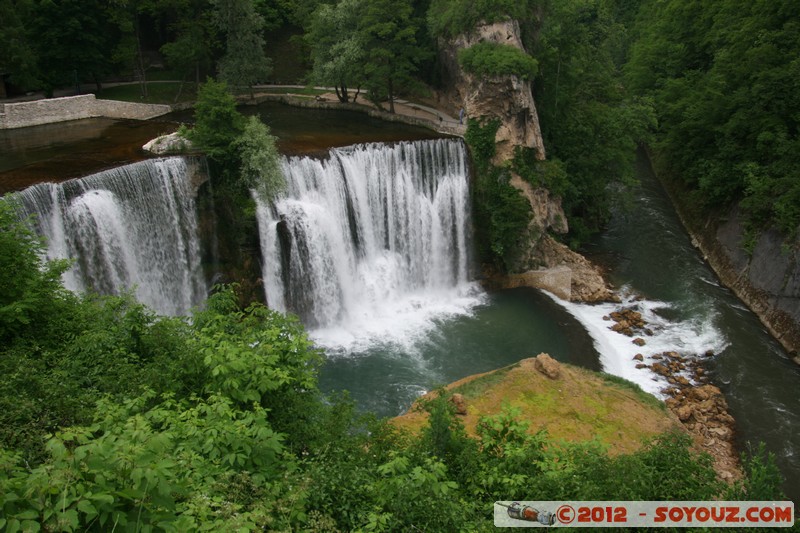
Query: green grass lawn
[
  {"x": 305, "y": 91},
  {"x": 157, "y": 93}
]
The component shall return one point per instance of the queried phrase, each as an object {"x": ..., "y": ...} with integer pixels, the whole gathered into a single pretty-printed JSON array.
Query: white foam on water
[
  {"x": 690, "y": 338},
  {"x": 370, "y": 247},
  {"x": 402, "y": 322}
]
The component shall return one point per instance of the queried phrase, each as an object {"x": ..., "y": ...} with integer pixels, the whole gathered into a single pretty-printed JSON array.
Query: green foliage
[
  {"x": 762, "y": 481},
  {"x": 28, "y": 285},
  {"x": 140, "y": 466},
  {"x": 387, "y": 31},
  {"x": 501, "y": 213},
  {"x": 445, "y": 438},
  {"x": 450, "y": 18},
  {"x": 588, "y": 121},
  {"x": 550, "y": 174},
  {"x": 480, "y": 139},
  {"x": 244, "y": 63},
  {"x": 724, "y": 77},
  {"x": 260, "y": 167},
  {"x": 337, "y": 48},
  {"x": 217, "y": 122},
  {"x": 257, "y": 355},
  {"x": 19, "y": 58},
  {"x": 492, "y": 59}
]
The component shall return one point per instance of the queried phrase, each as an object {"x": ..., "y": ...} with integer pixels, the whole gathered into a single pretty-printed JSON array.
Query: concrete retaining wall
[{"x": 24, "y": 114}]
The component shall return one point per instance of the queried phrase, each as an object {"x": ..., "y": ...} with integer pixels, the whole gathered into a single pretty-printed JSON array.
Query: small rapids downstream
[
  {"x": 371, "y": 247},
  {"x": 648, "y": 252}
]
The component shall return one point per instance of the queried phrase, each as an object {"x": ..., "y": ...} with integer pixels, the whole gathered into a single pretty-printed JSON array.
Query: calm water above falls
[
  {"x": 647, "y": 249},
  {"x": 434, "y": 340}
]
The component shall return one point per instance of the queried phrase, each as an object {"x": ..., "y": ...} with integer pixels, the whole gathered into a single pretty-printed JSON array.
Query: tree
[
  {"x": 260, "y": 166},
  {"x": 19, "y": 57},
  {"x": 724, "y": 77},
  {"x": 74, "y": 40},
  {"x": 388, "y": 33},
  {"x": 337, "y": 51},
  {"x": 588, "y": 120},
  {"x": 28, "y": 286},
  {"x": 192, "y": 49},
  {"x": 217, "y": 122},
  {"x": 244, "y": 63}
]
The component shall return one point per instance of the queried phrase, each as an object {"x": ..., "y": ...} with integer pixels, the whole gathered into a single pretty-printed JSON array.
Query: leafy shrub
[
  {"x": 450, "y": 18},
  {"x": 493, "y": 59},
  {"x": 550, "y": 174},
  {"x": 501, "y": 213}
]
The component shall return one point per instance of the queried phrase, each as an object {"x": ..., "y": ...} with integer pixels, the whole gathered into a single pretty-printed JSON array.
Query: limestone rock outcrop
[
  {"x": 506, "y": 97},
  {"x": 542, "y": 262},
  {"x": 173, "y": 143}
]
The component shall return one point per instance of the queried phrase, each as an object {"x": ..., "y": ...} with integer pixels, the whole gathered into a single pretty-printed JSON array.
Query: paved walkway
[{"x": 437, "y": 118}]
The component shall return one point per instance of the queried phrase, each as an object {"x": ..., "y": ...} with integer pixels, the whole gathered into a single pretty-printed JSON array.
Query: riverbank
[
  {"x": 577, "y": 405},
  {"x": 767, "y": 280}
]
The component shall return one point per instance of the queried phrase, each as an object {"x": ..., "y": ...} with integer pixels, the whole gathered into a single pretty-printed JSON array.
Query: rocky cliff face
[
  {"x": 506, "y": 97},
  {"x": 543, "y": 263},
  {"x": 768, "y": 280}
]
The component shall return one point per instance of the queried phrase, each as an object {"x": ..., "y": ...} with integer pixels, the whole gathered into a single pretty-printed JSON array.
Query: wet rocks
[
  {"x": 704, "y": 412},
  {"x": 700, "y": 406},
  {"x": 627, "y": 322}
]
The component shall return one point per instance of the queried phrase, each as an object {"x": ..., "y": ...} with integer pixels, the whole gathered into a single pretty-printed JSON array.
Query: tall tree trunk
[
  {"x": 142, "y": 75},
  {"x": 391, "y": 95}
]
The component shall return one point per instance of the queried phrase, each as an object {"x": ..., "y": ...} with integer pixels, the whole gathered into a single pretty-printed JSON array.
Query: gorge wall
[
  {"x": 542, "y": 262},
  {"x": 767, "y": 280}
]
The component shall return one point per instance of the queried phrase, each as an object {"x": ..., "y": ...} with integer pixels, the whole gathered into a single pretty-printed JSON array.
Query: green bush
[
  {"x": 501, "y": 212},
  {"x": 493, "y": 59},
  {"x": 450, "y": 18}
]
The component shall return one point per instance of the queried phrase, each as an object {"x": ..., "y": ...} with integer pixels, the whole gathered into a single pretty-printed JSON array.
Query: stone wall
[
  {"x": 768, "y": 280},
  {"x": 24, "y": 114}
]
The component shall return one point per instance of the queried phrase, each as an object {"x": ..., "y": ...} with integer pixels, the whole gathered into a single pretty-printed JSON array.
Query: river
[
  {"x": 647, "y": 249},
  {"x": 420, "y": 334}
]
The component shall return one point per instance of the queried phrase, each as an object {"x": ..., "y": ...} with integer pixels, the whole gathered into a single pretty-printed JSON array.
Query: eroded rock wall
[
  {"x": 768, "y": 280},
  {"x": 508, "y": 98},
  {"x": 542, "y": 262}
]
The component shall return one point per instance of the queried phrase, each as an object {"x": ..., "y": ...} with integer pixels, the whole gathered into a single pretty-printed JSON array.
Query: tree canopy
[{"x": 112, "y": 417}]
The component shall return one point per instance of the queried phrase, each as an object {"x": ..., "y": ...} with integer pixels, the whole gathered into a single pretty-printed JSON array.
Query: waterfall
[
  {"x": 131, "y": 227},
  {"x": 371, "y": 237}
]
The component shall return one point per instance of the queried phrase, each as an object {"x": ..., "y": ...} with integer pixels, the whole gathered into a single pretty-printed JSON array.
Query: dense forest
[
  {"x": 711, "y": 88},
  {"x": 113, "y": 417}
]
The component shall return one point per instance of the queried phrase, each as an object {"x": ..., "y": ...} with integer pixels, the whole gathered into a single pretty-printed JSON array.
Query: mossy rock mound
[{"x": 579, "y": 405}]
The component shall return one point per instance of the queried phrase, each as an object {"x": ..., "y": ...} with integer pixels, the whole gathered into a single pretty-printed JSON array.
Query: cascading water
[
  {"x": 372, "y": 242},
  {"x": 130, "y": 227}
]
